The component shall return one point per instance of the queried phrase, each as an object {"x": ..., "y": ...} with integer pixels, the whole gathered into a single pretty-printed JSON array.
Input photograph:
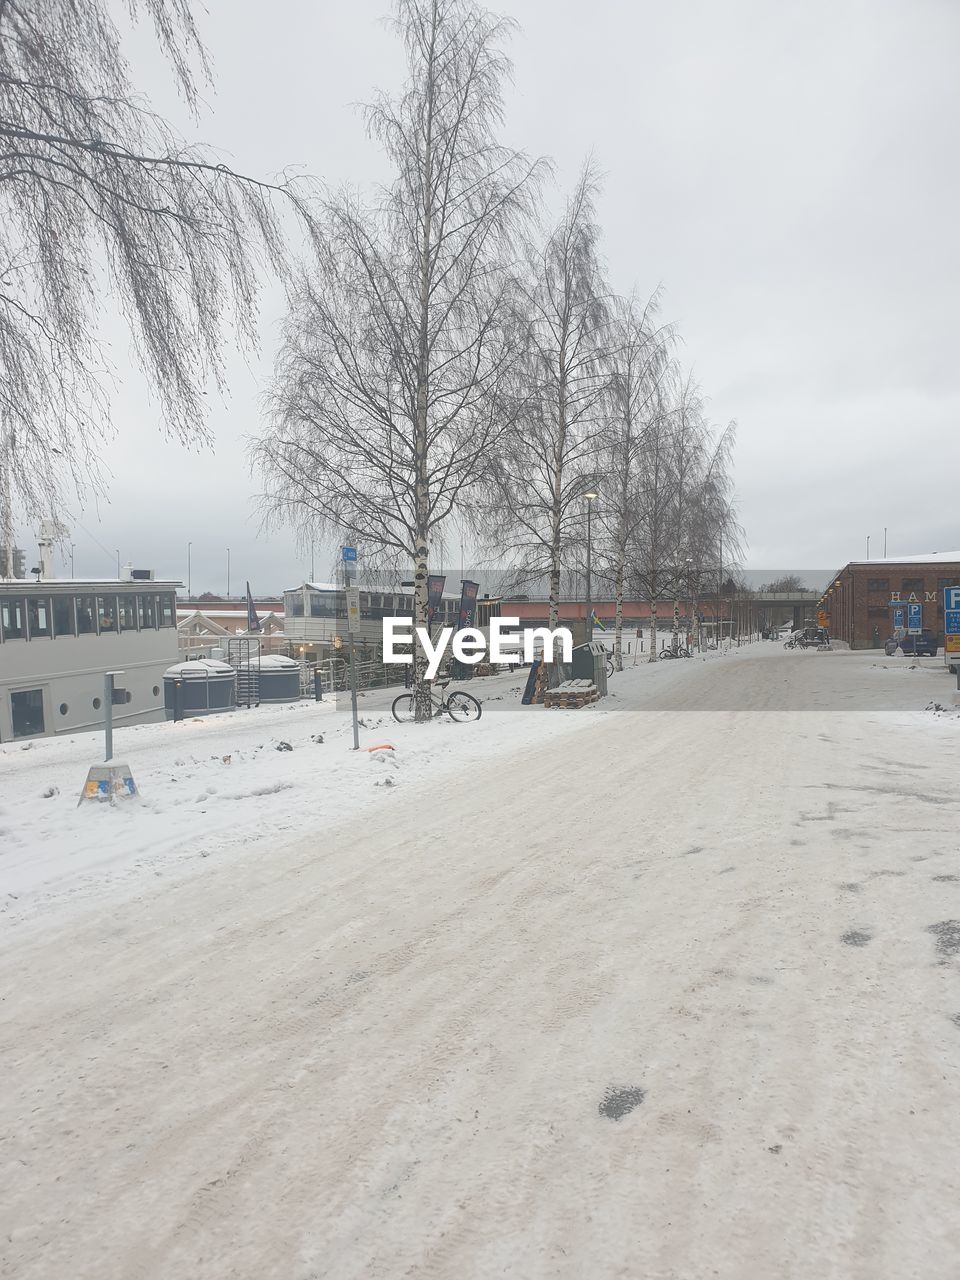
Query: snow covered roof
[
  {"x": 932, "y": 557},
  {"x": 199, "y": 669}
]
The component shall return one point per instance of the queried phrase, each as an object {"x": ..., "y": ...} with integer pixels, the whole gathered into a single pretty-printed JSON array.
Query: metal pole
[
  {"x": 589, "y": 550},
  {"x": 189, "y": 549},
  {"x": 118, "y": 566},
  {"x": 72, "y": 545},
  {"x": 108, "y": 717},
  {"x": 868, "y": 546},
  {"x": 228, "y": 573},
  {"x": 353, "y": 694},
  {"x": 884, "y": 542}
]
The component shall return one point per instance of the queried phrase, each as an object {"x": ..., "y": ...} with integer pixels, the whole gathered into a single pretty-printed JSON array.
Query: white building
[{"x": 58, "y": 637}]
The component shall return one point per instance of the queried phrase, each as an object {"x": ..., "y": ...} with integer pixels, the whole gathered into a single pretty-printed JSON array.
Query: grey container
[
  {"x": 271, "y": 678},
  {"x": 199, "y": 688}
]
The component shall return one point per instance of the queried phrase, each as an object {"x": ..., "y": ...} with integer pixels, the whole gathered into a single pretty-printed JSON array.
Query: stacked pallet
[{"x": 572, "y": 693}]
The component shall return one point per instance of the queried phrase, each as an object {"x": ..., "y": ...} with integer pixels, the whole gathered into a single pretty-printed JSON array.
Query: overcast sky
[{"x": 788, "y": 173}]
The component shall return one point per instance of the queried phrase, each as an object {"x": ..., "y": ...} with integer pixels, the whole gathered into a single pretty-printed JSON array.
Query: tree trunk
[
  {"x": 618, "y": 632},
  {"x": 652, "y": 655}
]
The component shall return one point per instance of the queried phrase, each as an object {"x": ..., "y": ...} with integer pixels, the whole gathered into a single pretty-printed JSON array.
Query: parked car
[{"x": 923, "y": 645}]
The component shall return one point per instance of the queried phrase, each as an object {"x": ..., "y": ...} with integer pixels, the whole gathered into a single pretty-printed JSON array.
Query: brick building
[{"x": 861, "y": 597}]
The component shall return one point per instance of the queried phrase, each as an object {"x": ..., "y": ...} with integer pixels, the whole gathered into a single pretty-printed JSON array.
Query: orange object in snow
[{"x": 383, "y": 746}]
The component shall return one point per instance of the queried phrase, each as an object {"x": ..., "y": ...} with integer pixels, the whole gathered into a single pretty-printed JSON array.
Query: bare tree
[
  {"x": 387, "y": 393},
  {"x": 546, "y": 466},
  {"x": 637, "y": 364},
  {"x": 97, "y": 196}
]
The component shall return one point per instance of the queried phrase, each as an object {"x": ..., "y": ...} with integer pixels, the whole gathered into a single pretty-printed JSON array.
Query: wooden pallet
[{"x": 572, "y": 694}]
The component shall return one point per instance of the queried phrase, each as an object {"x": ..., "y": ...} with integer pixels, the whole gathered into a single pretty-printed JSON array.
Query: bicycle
[
  {"x": 458, "y": 705},
  {"x": 679, "y": 652}
]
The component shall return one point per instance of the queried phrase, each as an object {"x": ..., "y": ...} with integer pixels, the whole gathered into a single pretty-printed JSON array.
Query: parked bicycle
[
  {"x": 680, "y": 652},
  {"x": 457, "y": 705}
]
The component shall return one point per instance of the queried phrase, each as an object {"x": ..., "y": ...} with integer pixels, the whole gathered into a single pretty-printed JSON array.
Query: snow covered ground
[{"x": 668, "y": 987}]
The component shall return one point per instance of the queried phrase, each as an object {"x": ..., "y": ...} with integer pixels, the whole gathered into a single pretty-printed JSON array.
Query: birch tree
[
  {"x": 536, "y": 504},
  {"x": 636, "y": 363},
  {"x": 98, "y": 198},
  {"x": 387, "y": 396}
]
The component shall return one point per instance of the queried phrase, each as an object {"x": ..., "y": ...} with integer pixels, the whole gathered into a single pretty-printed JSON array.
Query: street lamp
[
  {"x": 189, "y": 549},
  {"x": 228, "y": 573},
  {"x": 590, "y": 497}
]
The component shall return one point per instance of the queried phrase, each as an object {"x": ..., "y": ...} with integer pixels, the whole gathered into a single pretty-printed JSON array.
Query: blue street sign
[
  {"x": 951, "y": 622},
  {"x": 898, "y": 617},
  {"x": 349, "y": 553},
  {"x": 951, "y": 598},
  {"x": 914, "y": 618}
]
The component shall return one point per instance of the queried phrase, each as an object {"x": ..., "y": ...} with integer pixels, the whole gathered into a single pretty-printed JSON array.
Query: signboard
[
  {"x": 951, "y": 623},
  {"x": 349, "y": 553},
  {"x": 353, "y": 608},
  {"x": 435, "y": 582},
  {"x": 468, "y": 602},
  {"x": 914, "y": 619},
  {"x": 898, "y": 619}
]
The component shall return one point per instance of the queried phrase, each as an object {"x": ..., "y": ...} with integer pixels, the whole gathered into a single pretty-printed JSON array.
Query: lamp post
[
  {"x": 868, "y": 546},
  {"x": 118, "y": 566},
  {"x": 590, "y": 497},
  {"x": 228, "y": 573},
  {"x": 72, "y": 545},
  {"x": 189, "y": 549}
]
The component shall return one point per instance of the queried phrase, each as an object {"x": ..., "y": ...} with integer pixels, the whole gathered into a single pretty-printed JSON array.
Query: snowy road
[{"x": 675, "y": 994}]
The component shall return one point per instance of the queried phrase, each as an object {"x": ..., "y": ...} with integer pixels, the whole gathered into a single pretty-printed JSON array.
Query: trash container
[{"x": 590, "y": 663}]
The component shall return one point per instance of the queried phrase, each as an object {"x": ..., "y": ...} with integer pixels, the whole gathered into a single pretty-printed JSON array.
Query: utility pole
[
  {"x": 884, "y": 542},
  {"x": 590, "y": 499},
  {"x": 868, "y": 546},
  {"x": 118, "y": 566},
  {"x": 189, "y": 549},
  {"x": 228, "y": 573}
]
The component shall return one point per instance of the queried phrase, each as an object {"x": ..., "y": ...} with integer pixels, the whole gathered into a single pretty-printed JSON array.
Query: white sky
[{"x": 787, "y": 172}]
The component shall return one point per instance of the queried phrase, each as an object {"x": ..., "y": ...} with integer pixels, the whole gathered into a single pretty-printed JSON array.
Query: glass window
[
  {"x": 913, "y": 584},
  {"x": 878, "y": 584},
  {"x": 86, "y": 615},
  {"x": 26, "y": 711},
  {"x": 39, "y": 617},
  {"x": 168, "y": 611},
  {"x": 63, "y": 616},
  {"x": 107, "y": 613},
  {"x": 128, "y": 612},
  {"x": 147, "y": 606},
  {"x": 13, "y": 617},
  {"x": 294, "y": 604}
]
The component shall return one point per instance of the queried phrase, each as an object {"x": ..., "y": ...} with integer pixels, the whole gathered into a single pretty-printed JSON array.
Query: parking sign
[
  {"x": 951, "y": 625},
  {"x": 914, "y": 619}
]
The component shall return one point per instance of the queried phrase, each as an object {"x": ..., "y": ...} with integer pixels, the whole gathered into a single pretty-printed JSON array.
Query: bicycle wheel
[
  {"x": 666, "y": 653},
  {"x": 610, "y": 667},
  {"x": 463, "y": 706},
  {"x": 404, "y": 708}
]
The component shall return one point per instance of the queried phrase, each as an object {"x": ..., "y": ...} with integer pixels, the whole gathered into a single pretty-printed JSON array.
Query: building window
[
  {"x": 147, "y": 606},
  {"x": 912, "y": 584},
  {"x": 878, "y": 584},
  {"x": 319, "y": 606},
  {"x": 63, "y": 616},
  {"x": 107, "y": 613},
  {"x": 943, "y": 583},
  {"x": 293, "y": 604},
  {"x": 86, "y": 615},
  {"x": 13, "y": 619},
  {"x": 168, "y": 616},
  {"x": 26, "y": 709},
  {"x": 128, "y": 613},
  {"x": 38, "y": 617}
]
